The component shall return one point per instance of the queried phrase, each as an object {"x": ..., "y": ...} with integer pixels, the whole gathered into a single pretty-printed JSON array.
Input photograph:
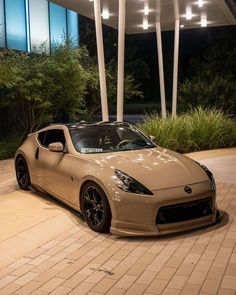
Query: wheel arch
[
  {"x": 19, "y": 157},
  {"x": 20, "y": 153},
  {"x": 102, "y": 186}
]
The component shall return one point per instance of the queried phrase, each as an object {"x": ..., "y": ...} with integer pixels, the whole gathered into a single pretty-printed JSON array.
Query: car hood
[{"x": 156, "y": 168}]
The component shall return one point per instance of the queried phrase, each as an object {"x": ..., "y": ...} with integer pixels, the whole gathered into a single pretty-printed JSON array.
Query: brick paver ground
[{"x": 80, "y": 261}]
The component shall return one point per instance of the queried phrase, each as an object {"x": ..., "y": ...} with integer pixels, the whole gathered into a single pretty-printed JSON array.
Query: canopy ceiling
[{"x": 218, "y": 13}]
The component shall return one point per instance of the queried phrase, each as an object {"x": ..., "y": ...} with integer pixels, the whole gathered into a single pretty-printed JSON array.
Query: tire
[
  {"x": 95, "y": 207},
  {"x": 22, "y": 173}
]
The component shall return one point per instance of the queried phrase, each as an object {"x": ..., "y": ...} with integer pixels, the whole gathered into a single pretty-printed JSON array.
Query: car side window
[
  {"x": 50, "y": 136},
  {"x": 41, "y": 137}
]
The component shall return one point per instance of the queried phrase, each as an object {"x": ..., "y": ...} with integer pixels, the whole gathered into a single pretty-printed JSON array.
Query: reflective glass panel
[
  {"x": 16, "y": 24},
  {"x": 39, "y": 24},
  {"x": 73, "y": 26},
  {"x": 57, "y": 22}
]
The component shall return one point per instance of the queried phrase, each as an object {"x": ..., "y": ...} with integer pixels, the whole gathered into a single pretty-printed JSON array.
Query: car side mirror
[
  {"x": 56, "y": 147},
  {"x": 152, "y": 138}
]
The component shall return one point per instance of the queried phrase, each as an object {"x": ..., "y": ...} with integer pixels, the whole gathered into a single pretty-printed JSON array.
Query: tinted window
[
  {"x": 50, "y": 136},
  {"x": 41, "y": 137},
  {"x": 108, "y": 138}
]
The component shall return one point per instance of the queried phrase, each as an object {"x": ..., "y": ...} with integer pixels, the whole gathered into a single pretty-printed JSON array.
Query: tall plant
[
  {"x": 41, "y": 86},
  {"x": 92, "y": 97},
  {"x": 198, "y": 129}
]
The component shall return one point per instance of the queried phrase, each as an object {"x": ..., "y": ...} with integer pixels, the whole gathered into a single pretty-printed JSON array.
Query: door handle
[{"x": 37, "y": 153}]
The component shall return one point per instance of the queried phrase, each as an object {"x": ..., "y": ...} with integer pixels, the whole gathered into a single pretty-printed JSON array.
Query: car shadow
[
  {"x": 222, "y": 221},
  {"x": 74, "y": 215},
  {"x": 78, "y": 218}
]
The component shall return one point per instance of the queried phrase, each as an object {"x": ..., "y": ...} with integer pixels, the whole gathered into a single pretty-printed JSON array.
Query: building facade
[{"x": 27, "y": 24}]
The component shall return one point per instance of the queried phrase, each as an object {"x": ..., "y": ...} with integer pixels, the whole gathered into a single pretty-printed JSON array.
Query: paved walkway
[{"x": 46, "y": 248}]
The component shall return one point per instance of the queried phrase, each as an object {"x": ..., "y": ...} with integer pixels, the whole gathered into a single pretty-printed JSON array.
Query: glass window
[
  {"x": 39, "y": 24},
  {"x": 108, "y": 138},
  {"x": 57, "y": 22},
  {"x": 16, "y": 24},
  {"x": 54, "y": 135},
  {"x": 73, "y": 26},
  {"x": 41, "y": 137},
  {"x": 2, "y": 25}
]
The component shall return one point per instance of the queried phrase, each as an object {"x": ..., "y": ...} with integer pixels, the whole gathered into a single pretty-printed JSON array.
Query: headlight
[
  {"x": 131, "y": 185},
  {"x": 210, "y": 175}
]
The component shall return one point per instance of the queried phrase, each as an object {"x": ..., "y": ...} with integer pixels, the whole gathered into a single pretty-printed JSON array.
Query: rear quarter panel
[{"x": 27, "y": 150}]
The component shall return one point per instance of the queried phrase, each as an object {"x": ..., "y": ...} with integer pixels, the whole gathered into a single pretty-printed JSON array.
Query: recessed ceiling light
[
  {"x": 146, "y": 9},
  {"x": 145, "y": 24},
  {"x": 188, "y": 13},
  {"x": 105, "y": 13},
  {"x": 204, "y": 21},
  {"x": 200, "y": 3}
]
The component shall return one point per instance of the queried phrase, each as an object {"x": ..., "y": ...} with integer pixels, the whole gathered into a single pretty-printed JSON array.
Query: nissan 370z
[{"x": 118, "y": 178}]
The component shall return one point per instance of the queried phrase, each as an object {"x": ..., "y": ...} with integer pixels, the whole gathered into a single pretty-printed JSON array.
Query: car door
[{"x": 54, "y": 165}]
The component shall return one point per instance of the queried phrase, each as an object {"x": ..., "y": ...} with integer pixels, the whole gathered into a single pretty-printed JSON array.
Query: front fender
[{"x": 107, "y": 188}]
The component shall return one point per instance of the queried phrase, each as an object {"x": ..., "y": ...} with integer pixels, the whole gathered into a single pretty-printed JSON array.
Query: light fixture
[
  {"x": 90, "y": 0},
  {"x": 188, "y": 13},
  {"x": 146, "y": 9},
  {"x": 145, "y": 24},
  {"x": 105, "y": 13},
  {"x": 200, "y": 3},
  {"x": 182, "y": 26},
  {"x": 203, "y": 21}
]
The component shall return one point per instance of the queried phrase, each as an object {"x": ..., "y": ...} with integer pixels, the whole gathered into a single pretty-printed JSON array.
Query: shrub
[
  {"x": 219, "y": 92},
  {"x": 41, "y": 86},
  {"x": 199, "y": 129},
  {"x": 211, "y": 75},
  {"x": 9, "y": 145}
]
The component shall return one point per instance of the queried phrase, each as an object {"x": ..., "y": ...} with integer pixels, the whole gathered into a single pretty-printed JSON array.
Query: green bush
[
  {"x": 211, "y": 78},
  {"x": 9, "y": 145},
  {"x": 199, "y": 129},
  {"x": 219, "y": 92},
  {"x": 42, "y": 87}
]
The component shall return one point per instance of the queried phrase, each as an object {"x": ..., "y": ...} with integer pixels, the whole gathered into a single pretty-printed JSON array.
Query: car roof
[{"x": 72, "y": 126}]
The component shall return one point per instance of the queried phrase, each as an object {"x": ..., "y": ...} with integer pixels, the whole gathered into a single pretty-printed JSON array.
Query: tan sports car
[{"x": 118, "y": 178}]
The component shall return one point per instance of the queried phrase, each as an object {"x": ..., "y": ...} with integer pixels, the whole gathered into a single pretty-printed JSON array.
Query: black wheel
[
  {"x": 95, "y": 207},
  {"x": 22, "y": 173}
]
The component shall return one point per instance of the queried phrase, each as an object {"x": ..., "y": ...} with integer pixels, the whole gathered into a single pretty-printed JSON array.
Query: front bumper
[{"x": 137, "y": 214}]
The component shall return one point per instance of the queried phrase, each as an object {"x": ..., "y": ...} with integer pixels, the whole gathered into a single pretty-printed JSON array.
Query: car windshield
[{"x": 108, "y": 138}]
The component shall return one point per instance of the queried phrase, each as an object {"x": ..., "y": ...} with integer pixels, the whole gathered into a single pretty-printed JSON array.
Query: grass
[{"x": 199, "y": 129}]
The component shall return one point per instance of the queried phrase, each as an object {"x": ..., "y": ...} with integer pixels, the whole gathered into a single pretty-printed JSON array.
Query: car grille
[{"x": 184, "y": 211}]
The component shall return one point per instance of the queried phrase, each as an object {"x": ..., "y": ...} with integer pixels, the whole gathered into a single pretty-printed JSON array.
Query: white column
[
  {"x": 175, "y": 69},
  {"x": 121, "y": 61},
  {"x": 161, "y": 70},
  {"x": 101, "y": 60}
]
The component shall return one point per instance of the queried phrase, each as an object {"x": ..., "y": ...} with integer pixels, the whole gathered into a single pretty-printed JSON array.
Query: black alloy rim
[
  {"x": 22, "y": 172},
  {"x": 93, "y": 206}
]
